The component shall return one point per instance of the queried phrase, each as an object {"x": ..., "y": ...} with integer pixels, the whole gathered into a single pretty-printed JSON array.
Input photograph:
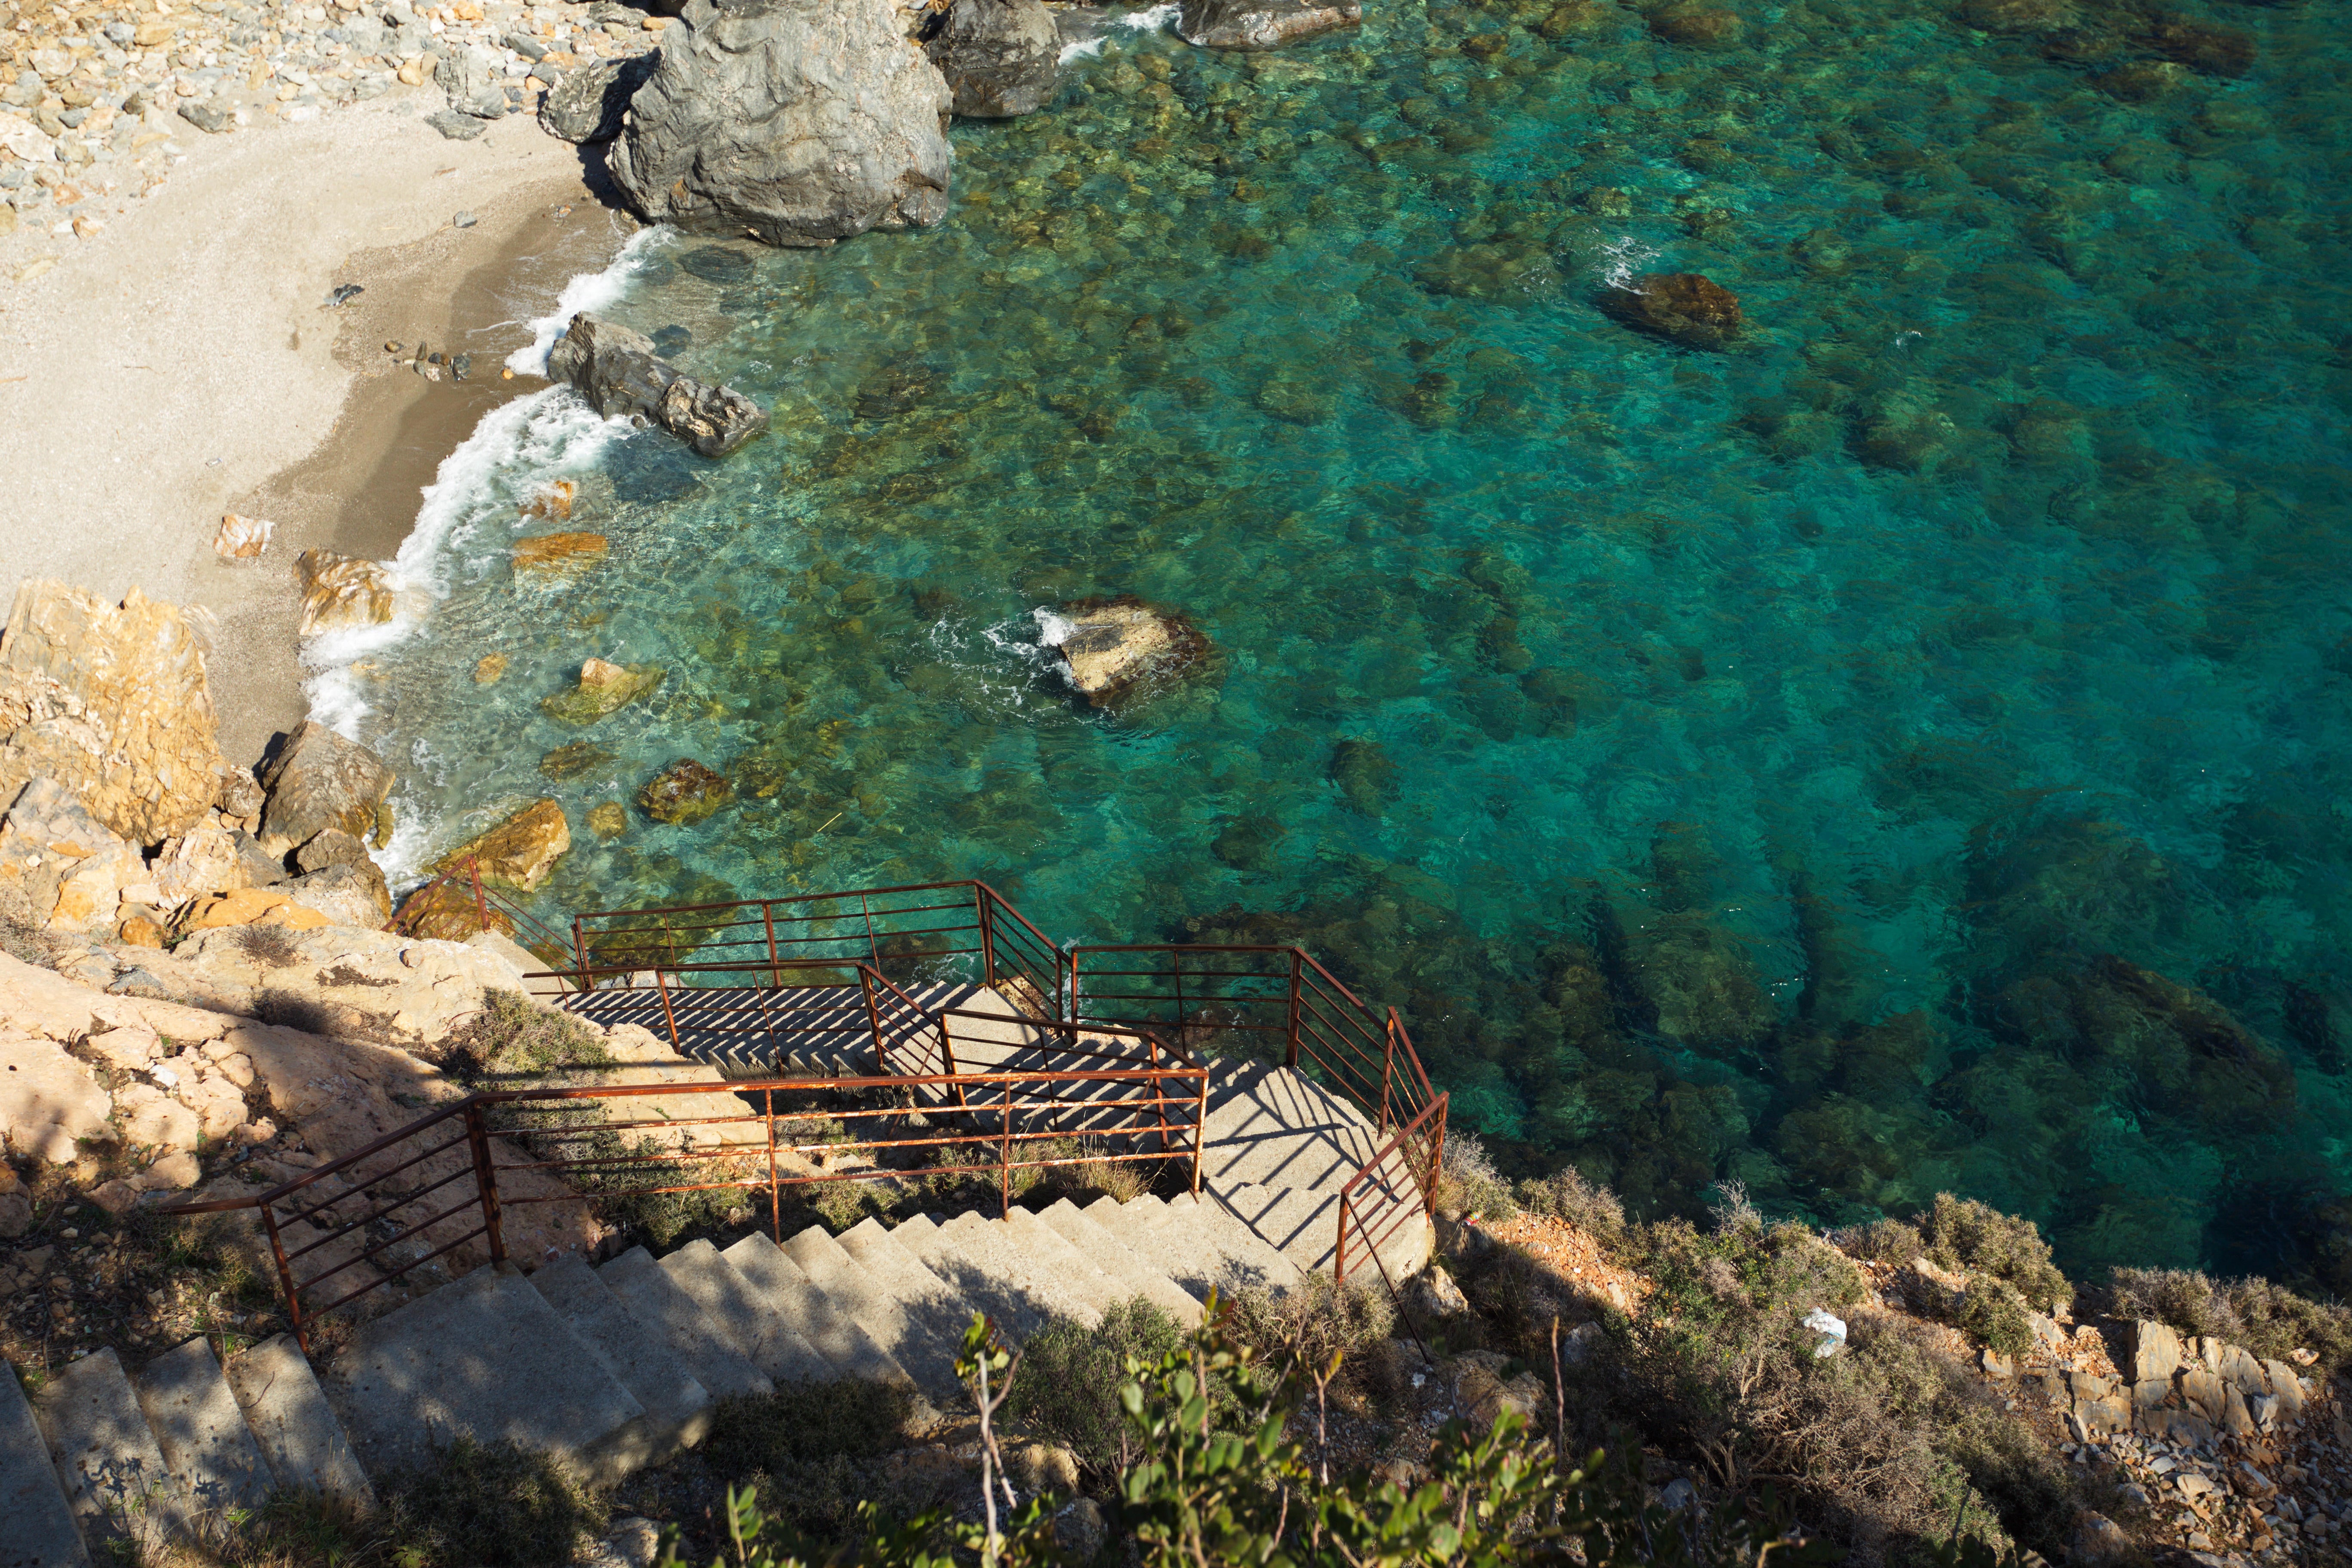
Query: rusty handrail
[
  {"x": 1436, "y": 1109},
  {"x": 466, "y": 872}
]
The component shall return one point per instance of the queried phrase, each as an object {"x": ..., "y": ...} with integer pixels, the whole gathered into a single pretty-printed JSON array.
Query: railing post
[
  {"x": 486, "y": 1179},
  {"x": 285, "y": 1281},
  {"x": 775, "y": 1200},
  {"x": 669, "y": 1016},
  {"x": 481, "y": 904},
  {"x": 1200, "y": 1129},
  {"x": 580, "y": 952},
  {"x": 1340, "y": 1253},
  {"x": 874, "y": 1020},
  {"x": 775, "y": 970},
  {"x": 987, "y": 935},
  {"x": 1004, "y": 1157},
  {"x": 1388, "y": 1068},
  {"x": 873, "y": 950},
  {"x": 1436, "y": 1155},
  {"x": 1290, "y": 1056}
]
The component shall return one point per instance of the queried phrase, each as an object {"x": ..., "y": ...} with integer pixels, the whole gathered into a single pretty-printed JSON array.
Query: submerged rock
[
  {"x": 798, "y": 121},
  {"x": 618, "y": 373},
  {"x": 1261, "y": 24},
  {"x": 1680, "y": 306},
  {"x": 1113, "y": 649},
  {"x": 1001, "y": 58},
  {"x": 571, "y": 761},
  {"x": 112, "y": 701},
  {"x": 604, "y": 687},
  {"x": 317, "y": 781},
  {"x": 608, "y": 820},
  {"x": 587, "y": 105},
  {"x": 558, "y": 552},
  {"x": 684, "y": 792},
  {"x": 1697, "y": 26},
  {"x": 519, "y": 851}
]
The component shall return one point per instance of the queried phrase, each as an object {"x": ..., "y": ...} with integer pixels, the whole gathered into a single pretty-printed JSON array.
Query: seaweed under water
[{"x": 1901, "y": 749}]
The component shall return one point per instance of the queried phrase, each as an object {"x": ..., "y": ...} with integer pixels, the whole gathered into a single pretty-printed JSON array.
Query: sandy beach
[{"x": 183, "y": 363}]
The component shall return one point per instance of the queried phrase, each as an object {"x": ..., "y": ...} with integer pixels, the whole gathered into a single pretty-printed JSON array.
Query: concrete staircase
[{"x": 610, "y": 1367}]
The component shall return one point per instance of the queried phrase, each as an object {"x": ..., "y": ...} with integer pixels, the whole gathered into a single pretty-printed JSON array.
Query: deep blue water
[{"x": 1904, "y": 751}]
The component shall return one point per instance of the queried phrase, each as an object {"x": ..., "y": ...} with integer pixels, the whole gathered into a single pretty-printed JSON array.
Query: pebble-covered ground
[{"x": 100, "y": 101}]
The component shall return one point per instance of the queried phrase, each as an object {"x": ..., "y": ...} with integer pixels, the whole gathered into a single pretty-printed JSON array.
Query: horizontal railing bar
[
  {"x": 356, "y": 1188},
  {"x": 796, "y": 898},
  {"x": 458, "y": 1207},
  {"x": 405, "y": 1268},
  {"x": 349, "y": 1226},
  {"x": 334, "y": 1167}
]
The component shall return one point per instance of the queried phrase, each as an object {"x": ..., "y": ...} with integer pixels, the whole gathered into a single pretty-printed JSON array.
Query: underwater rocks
[
  {"x": 1366, "y": 776},
  {"x": 587, "y": 105},
  {"x": 604, "y": 687},
  {"x": 1117, "y": 649},
  {"x": 618, "y": 373},
  {"x": 1697, "y": 26},
  {"x": 1261, "y": 24},
  {"x": 1001, "y": 58},
  {"x": 684, "y": 792},
  {"x": 317, "y": 781},
  {"x": 519, "y": 851},
  {"x": 557, "y": 551},
  {"x": 797, "y": 122},
  {"x": 1680, "y": 306},
  {"x": 110, "y": 701}
]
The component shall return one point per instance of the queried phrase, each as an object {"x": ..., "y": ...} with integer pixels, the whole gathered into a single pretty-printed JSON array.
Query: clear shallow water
[{"x": 1901, "y": 753}]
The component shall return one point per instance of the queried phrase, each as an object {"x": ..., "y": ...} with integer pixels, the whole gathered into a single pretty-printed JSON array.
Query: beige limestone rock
[
  {"x": 67, "y": 868},
  {"x": 1116, "y": 648},
  {"x": 347, "y": 894},
  {"x": 519, "y": 851},
  {"x": 341, "y": 592},
  {"x": 111, "y": 702},
  {"x": 154, "y": 1120},
  {"x": 173, "y": 1172},
  {"x": 319, "y": 780},
  {"x": 48, "y": 1100},
  {"x": 250, "y": 906},
  {"x": 202, "y": 860},
  {"x": 354, "y": 982},
  {"x": 2285, "y": 1389},
  {"x": 242, "y": 538},
  {"x": 129, "y": 1049},
  {"x": 2157, "y": 1352},
  {"x": 139, "y": 931},
  {"x": 218, "y": 1104}
]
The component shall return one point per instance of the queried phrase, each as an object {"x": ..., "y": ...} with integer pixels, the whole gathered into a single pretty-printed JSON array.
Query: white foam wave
[
  {"x": 1622, "y": 259},
  {"x": 587, "y": 291},
  {"x": 516, "y": 447},
  {"x": 1152, "y": 19}
]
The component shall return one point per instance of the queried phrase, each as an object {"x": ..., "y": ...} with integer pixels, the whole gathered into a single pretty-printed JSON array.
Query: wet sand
[{"x": 180, "y": 365}]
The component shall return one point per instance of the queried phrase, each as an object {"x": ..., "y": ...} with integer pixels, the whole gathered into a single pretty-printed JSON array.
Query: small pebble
[{"x": 464, "y": 220}]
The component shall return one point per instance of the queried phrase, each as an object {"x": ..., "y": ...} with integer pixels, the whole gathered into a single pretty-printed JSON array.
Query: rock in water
[
  {"x": 587, "y": 105},
  {"x": 1001, "y": 58},
  {"x": 797, "y": 122},
  {"x": 341, "y": 591},
  {"x": 684, "y": 792},
  {"x": 520, "y": 851},
  {"x": 1261, "y": 24},
  {"x": 604, "y": 687},
  {"x": 1113, "y": 649},
  {"x": 1680, "y": 306},
  {"x": 318, "y": 780},
  {"x": 618, "y": 372},
  {"x": 111, "y": 702}
]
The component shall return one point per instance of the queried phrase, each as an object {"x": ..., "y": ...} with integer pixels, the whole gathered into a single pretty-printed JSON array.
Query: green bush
[
  {"x": 809, "y": 1449},
  {"x": 1881, "y": 1241},
  {"x": 1067, "y": 1389},
  {"x": 494, "y": 1505},
  {"x": 1960, "y": 1233},
  {"x": 1566, "y": 1194},
  {"x": 1992, "y": 1310},
  {"x": 1315, "y": 1319}
]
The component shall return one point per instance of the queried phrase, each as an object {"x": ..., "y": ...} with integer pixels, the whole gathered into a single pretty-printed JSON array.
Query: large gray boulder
[
  {"x": 1261, "y": 24},
  {"x": 796, "y": 121},
  {"x": 475, "y": 80},
  {"x": 618, "y": 373},
  {"x": 588, "y": 104},
  {"x": 1001, "y": 58}
]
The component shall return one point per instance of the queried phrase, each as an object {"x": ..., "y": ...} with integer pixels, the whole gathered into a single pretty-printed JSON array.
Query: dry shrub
[
  {"x": 1881, "y": 1241},
  {"x": 1313, "y": 1319},
  {"x": 1467, "y": 1182},
  {"x": 512, "y": 1037},
  {"x": 2269, "y": 1320},
  {"x": 1067, "y": 1388},
  {"x": 1960, "y": 1233},
  {"x": 1566, "y": 1194}
]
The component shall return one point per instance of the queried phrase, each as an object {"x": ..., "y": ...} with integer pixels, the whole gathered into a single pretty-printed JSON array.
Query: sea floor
[{"x": 1903, "y": 750}]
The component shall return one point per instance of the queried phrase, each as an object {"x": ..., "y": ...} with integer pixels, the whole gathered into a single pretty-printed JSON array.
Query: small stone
[
  {"x": 489, "y": 669},
  {"x": 242, "y": 538},
  {"x": 457, "y": 127},
  {"x": 208, "y": 117},
  {"x": 604, "y": 687},
  {"x": 464, "y": 220},
  {"x": 139, "y": 931},
  {"x": 1079, "y": 1529}
]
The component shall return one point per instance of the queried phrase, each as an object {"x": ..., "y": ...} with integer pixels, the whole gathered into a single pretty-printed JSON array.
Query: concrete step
[
  {"x": 678, "y": 1408},
  {"x": 1242, "y": 1256},
  {"x": 825, "y": 1322},
  {"x": 1068, "y": 1264},
  {"x": 40, "y": 1533},
  {"x": 300, "y": 1437},
  {"x": 201, "y": 1429},
  {"x": 1113, "y": 1257},
  {"x": 748, "y": 1319},
  {"x": 676, "y": 1319},
  {"x": 114, "y": 1474},
  {"x": 891, "y": 1254},
  {"x": 488, "y": 1359},
  {"x": 892, "y": 1299},
  {"x": 1278, "y": 1130},
  {"x": 1044, "y": 1292},
  {"x": 962, "y": 1263}
]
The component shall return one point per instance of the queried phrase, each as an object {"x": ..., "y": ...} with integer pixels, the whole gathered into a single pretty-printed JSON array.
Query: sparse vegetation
[
  {"x": 492, "y": 1503},
  {"x": 1961, "y": 1233},
  {"x": 1881, "y": 1241},
  {"x": 1566, "y": 1194},
  {"x": 2269, "y": 1320},
  {"x": 810, "y": 1450},
  {"x": 1467, "y": 1182},
  {"x": 1068, "y": 1389},
  {"x": 515, "y": 1039}
]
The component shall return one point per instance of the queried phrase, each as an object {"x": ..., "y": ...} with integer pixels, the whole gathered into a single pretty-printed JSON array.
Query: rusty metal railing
[
  {"x": 457, "y": 903},
  {"x": 445, "y": 1182},
  {"x": 1373, "y": 1197}
]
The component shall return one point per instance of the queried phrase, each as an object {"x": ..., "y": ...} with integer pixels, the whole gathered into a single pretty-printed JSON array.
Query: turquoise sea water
[{"x": 1906, "y": 750}]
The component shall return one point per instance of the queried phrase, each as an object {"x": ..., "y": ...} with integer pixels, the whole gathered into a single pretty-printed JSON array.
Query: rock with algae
[
  {"x": 1680, "y": 306},
  {"x": 604, "y": 688},
  {"x": 1116, "y": 650},
  {"x": 684, "y": 792}
]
